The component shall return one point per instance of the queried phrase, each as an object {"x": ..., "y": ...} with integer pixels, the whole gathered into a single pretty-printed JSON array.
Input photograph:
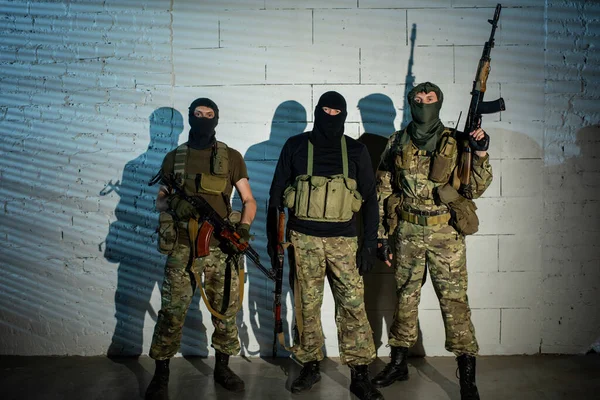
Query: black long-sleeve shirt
[{"x": 327, "y": 161}]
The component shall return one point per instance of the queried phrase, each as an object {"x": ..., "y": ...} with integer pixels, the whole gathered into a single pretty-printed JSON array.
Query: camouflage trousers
[
  {"x": 334, "y": 257},
  {"x": 177, "y": 293},
  {"x": 442, "y": 250}
]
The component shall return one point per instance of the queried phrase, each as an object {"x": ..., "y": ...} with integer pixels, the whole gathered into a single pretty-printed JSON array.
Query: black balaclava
[
  {"x": 328, "y": 129},
  {"x": 202, "y": 131},
  {"x": 426, "y": 126}
]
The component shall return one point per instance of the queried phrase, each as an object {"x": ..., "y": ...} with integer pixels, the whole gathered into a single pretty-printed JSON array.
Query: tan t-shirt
[{"x": 198, "y": 162}]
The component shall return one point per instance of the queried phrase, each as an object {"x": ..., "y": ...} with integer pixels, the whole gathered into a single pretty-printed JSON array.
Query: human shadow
[
  {"x": 378, "y": 114},
  {"x": 261, "y": 159},
  {"x": 131, "y": 242}
]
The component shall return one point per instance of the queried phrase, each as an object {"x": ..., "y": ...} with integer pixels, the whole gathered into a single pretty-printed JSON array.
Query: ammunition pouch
[
  {"x": 324, "y": 198},
  {"x": 219, "y": 161},
  {"x": 443, "y": 161},
  {"x": 463, "y": 211},
  {"x": 167, "y": 233},
  {"x": 321, "y": 198},
  {"x": 210, "y": 184},
  {"x": 390, "y": 206}
]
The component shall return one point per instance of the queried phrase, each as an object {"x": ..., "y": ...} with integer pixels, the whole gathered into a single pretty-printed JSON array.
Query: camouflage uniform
[
  {"x": 335, "y": 257},
  {"x": 179, "y": 285},
  {"x": 177, "y": 292},
  {"x": 405, "y": 170}
]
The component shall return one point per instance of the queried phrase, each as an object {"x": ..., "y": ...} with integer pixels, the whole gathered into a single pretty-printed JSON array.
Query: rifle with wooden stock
[
  {"x": 278, "y": 328},
  {"x": 477, "y": 108},
  {"x": 212, "y": 223}
]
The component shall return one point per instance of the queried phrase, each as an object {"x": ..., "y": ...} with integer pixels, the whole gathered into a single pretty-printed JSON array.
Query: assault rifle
[
  {"x": 212, "y": 222},
  {"x": 477, "y": 108},
  {"x": 278, "y": 329}
]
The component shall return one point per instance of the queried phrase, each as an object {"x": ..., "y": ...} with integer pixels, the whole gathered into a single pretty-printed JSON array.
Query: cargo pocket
[
  {"x": 211, "y": 184},
  {"x": 302, "y": 196},
  {"x": 443, "y": 162},
  {"x": 334, "y": 207},
  {"x": 167, "y": 233},
  {"x": 289, "y": 196},
  {"x": 318, "y": 195}
]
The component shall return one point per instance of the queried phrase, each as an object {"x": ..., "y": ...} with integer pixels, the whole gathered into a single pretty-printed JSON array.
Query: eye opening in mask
[{"x": 204, "y": 112}]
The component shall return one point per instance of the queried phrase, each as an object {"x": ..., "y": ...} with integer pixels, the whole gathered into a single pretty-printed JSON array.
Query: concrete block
[
  {"x": 482, "y": 253},
  {"x": 521, "y": 328},
  {"x": 390, "y": 65},
  {"x": 266, "y": 28},
  {"x": 46, "y": 9},
  {"x": 195, "y": 67},
  {"x": 522, "y": 178},
  {"x": 186, "y": 19},
  {"x": 504, "y": 289},
  {"x": 316, "y": 4},
  {"x": 312, "y": 65},
  {"x": 451, "y": 27},
  {"x": 510, "y": 215},
  {"x": 405, "y": 4},
  {"x": 520, "y": 253},
  {"x": 360, "y": 28}
]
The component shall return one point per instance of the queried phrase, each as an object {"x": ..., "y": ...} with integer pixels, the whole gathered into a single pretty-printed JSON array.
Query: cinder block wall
[{"x": 95, "y": 93}]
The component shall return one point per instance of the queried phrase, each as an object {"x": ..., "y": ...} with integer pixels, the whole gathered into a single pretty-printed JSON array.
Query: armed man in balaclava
[
  {"x": 205, "y": 167},
  {"x": 324, "y": 178},
  {"x": 423, "y": 225}
]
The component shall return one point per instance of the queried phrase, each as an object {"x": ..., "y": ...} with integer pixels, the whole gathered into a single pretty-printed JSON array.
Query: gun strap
[
  {"x": 297, "y": 300},
  {"x": 193, "y": 227}
]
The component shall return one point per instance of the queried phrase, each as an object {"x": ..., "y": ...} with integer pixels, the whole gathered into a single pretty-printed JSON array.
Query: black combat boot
[
  {"x": 225, "y": 376},
  {"x": 158, "y": 389},
  {"x": 361, "y": 384},
  {"x": 309, "y": 375},
  {"x": 395, "y": 370},
  {"x": 466, "y": 371}
]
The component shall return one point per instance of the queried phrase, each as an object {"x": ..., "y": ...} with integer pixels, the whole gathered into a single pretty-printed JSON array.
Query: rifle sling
[{"x": 193, "y": 233}]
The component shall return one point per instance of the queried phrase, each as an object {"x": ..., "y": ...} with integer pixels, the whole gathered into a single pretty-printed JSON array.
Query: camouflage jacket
[{"x": 407, "y": 176}]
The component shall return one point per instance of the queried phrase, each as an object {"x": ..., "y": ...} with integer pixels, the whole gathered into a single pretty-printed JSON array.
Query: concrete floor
[{"x": 514, "y": 377}]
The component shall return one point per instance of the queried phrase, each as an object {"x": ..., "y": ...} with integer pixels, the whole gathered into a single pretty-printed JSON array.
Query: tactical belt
[
  {"x": 425, "y": 218},
  {"x": 411, "y": 200}
]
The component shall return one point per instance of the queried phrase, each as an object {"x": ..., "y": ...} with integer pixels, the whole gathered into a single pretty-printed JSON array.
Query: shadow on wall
[
  {"x": 131, "y": 243},
  {"x": 261, "y": 159},
  {"x": 571, "y": 254}
]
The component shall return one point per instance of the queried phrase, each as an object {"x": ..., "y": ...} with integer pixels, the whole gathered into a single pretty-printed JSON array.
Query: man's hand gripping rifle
[{"x": 211, "y": 222}]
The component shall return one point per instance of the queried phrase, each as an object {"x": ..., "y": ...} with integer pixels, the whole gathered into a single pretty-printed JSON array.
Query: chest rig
[
  {"x": 332, "y": 198},
  {"x": 213, "y": 183},
  {"x": 418, "y": 174}
]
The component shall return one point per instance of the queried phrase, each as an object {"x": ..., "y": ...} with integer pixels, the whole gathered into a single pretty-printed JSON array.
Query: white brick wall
[{"x": 80, "y": 81}]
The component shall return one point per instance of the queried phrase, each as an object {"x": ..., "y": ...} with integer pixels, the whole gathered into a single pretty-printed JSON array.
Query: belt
[
  {"x": 411, "y": 200},
  {"x": 425, "y": 218}
]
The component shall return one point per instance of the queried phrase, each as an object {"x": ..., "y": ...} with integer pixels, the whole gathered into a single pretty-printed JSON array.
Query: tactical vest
[
  {"x": 443, "y": 159},
  {"x": 324, "y": 198},
  {"x": 442, "y": 162},
  {"x": 213, "y": 183}
]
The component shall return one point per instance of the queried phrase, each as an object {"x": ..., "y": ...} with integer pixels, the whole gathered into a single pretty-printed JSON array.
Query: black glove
[
  {"x": 384, "y": 252},
  {"x": 481, "y": 144},
  {"x": 182, "y": 208},
  {"x": 244, "y": 231},
  {"x": 365, "y": 259}
]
